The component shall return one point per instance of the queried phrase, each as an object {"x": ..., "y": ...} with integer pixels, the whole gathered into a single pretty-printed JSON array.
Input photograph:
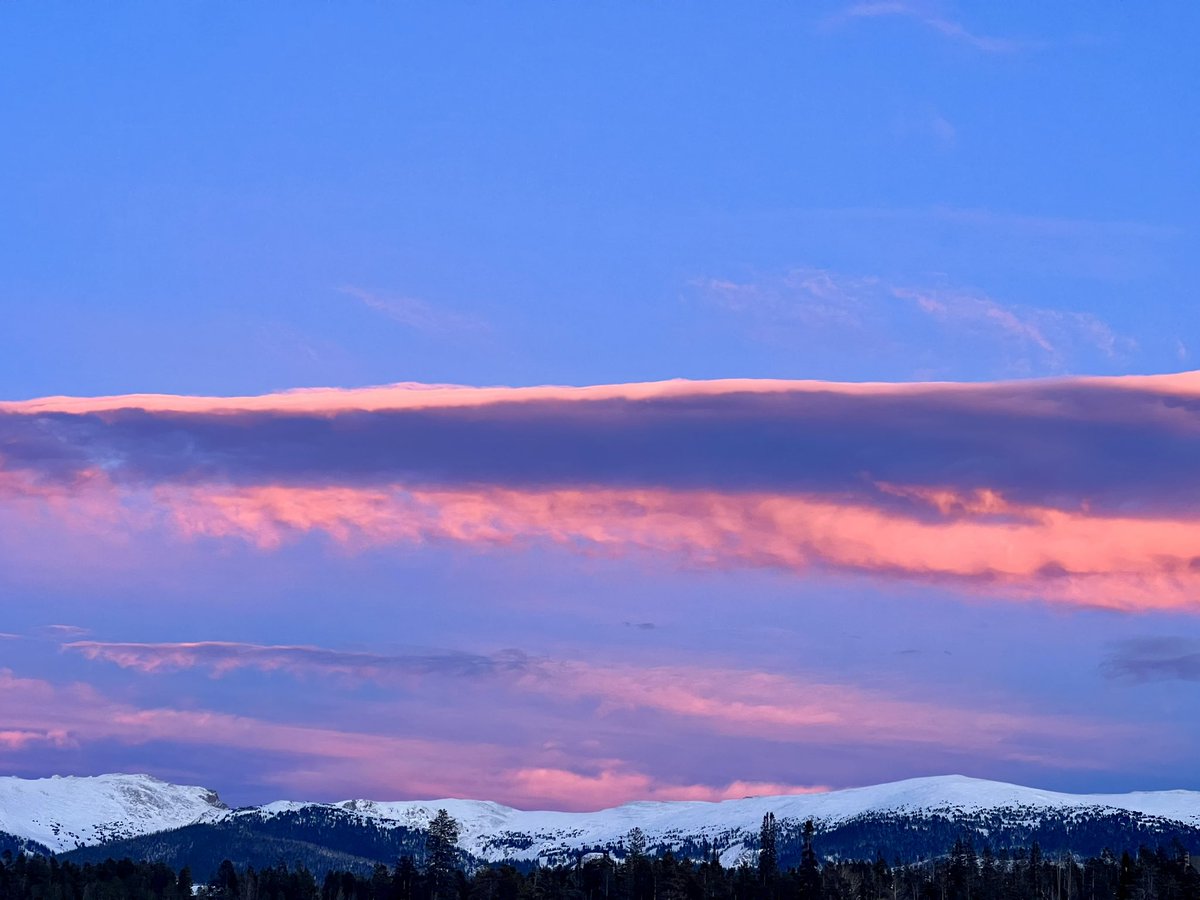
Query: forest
[{"x": 964, "y": 872}]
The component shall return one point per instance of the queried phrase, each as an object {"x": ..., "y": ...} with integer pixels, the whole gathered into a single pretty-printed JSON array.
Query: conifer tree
[
  {"x": 441, "y": 846},
  {"x": 635, "y": 843},
  {"x": 226, "y": 883},
  {"x": 640, "y": 871},
  {"x": 810, "y": 873},
  {"x": 768, "y": 849}
]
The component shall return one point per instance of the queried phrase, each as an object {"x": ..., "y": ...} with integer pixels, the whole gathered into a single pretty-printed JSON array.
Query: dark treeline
[
  {"x": 962, "y": 874},
  {"x": 1148, "y": 875}
]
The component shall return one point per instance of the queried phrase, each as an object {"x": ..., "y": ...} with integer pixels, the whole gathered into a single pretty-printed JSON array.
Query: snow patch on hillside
[
  {"x": 491, "y": 831},
  {"x": 64, "y": 813}
]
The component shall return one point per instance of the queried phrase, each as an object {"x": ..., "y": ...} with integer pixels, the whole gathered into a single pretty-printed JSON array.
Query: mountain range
[{"x": 93, "y": 818}]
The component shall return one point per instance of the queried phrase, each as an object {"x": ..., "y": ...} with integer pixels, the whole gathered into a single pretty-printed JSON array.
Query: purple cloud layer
[
  {"x": 1061, "y": 442},
  {"x": 1080, "y": 490}
]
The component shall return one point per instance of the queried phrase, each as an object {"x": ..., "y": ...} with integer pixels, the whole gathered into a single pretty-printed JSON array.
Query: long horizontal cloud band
[
  {"x": 1082, "y": 491},
  {"x": 1128, "y": 563},
  {"x": 737, "y": 702},
  {"x": 1098, "y": 442}
]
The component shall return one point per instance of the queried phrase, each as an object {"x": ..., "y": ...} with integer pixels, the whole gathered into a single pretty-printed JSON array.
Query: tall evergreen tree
[
  {"x": 640, "y": 871},
  {"x": 635, "y": 843},
  {"x": 226, "y": 883},
  {"x": 768, "y": 849},
  {"x": 810, "y": 873},
  {"x": 441, "y": 855}
]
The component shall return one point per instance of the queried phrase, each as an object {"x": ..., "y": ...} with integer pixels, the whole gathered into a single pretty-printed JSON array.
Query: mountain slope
[
  {"x": 907, "y": 819},
  {"x": 65, "y": 813},
  {"x": 489, "y": 829},
  {"x": 310, "y": 837},
  {"x": 915, "y": 817}
]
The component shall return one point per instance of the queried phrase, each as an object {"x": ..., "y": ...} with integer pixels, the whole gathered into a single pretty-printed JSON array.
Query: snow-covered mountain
[
  {"x": 64, "y": 813},
  {"x": 139, "y": 816},
  {"x": 492, "y": 832}
]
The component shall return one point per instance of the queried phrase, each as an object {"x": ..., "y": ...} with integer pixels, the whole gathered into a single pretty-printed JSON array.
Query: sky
[{"x": 570, "y": 404}]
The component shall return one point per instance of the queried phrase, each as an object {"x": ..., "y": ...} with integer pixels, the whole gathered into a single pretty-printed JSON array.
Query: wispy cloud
[
  {"x": 43, "y": 714},
  {"x": 728, "y": 701},
  {"x": 1154, "y": 659},
  {"x": 943, "y": 130},
  {"x": 1041, "y": 226},
  {"x": 222, "y": 657},
  {"x": 62, "y": 631},
  {"x": 948, "y": 28},
  {"x": 416, "y": 314},
  {"x": 43, "y": 718},
  {"x": 1025, "y": 339},
  {"x": 1055, "y": 332}
]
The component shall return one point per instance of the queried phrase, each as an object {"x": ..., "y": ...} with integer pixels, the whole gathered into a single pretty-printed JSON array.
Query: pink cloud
[
  {"x": 327, "y": 760},
  {"x": 413, "y": 395},
  {"x": 37, "y": 712},
  {"x": 720, "y": 700},
  {"x": 612, "y": 786},
  {"x": 19, "y": 739},
  {"x": 979, "y": 541},
  {"x": 1136, "y": 550},
  {"x": 992, "y": 547}
]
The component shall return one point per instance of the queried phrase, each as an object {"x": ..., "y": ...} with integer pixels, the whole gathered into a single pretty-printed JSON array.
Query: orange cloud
[
  {"x": 1097, "y": 514},
  {"x": 992, "y": 546}
]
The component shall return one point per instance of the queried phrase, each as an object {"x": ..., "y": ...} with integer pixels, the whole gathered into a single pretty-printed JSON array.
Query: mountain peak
[
  {"x": 64, "y": 812},
  {"x": 71, "y": 812}
]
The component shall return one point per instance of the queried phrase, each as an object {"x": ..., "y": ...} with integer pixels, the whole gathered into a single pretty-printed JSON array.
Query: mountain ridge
[{"x": 139, "y": 815}]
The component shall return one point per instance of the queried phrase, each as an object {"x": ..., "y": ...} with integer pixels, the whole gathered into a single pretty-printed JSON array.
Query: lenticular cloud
[{"x": 1080, "y": 491}]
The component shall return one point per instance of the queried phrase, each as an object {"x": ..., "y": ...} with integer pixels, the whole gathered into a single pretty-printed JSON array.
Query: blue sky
[
  {"x": 200, "y": 196},
  {"x": 240, "y": 199}
]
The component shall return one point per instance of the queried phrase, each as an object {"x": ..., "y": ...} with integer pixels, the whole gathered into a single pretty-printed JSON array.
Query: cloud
[
  {"x": 1082, "y": 491},
  {"x": 810, "y": 297},
  {"x": 416, "y": 314},
  {"x": 595, "y": 789},
  {"x": 62, "y": 631},
  {"x": 1154, "y": 659},
  {"x": 1025, "y": 339},
  {"x": 1053, "y": 331},
  {"x": 19, "y": 739},
  {"x": 222, "y": 657},
  {"x": 79, "y": 715},
  {"x": 1119, "y": 562},
  {"x": 44, "y": 717},
  {"x": 1043, "y": 228},
  {"x": 927, "y": 125},
  {"x": 727, "y": 701},
  {"x": 965, "y": 308},
  {"x": 943, "y": 129},
  {"x": 946, "y": 28}
]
